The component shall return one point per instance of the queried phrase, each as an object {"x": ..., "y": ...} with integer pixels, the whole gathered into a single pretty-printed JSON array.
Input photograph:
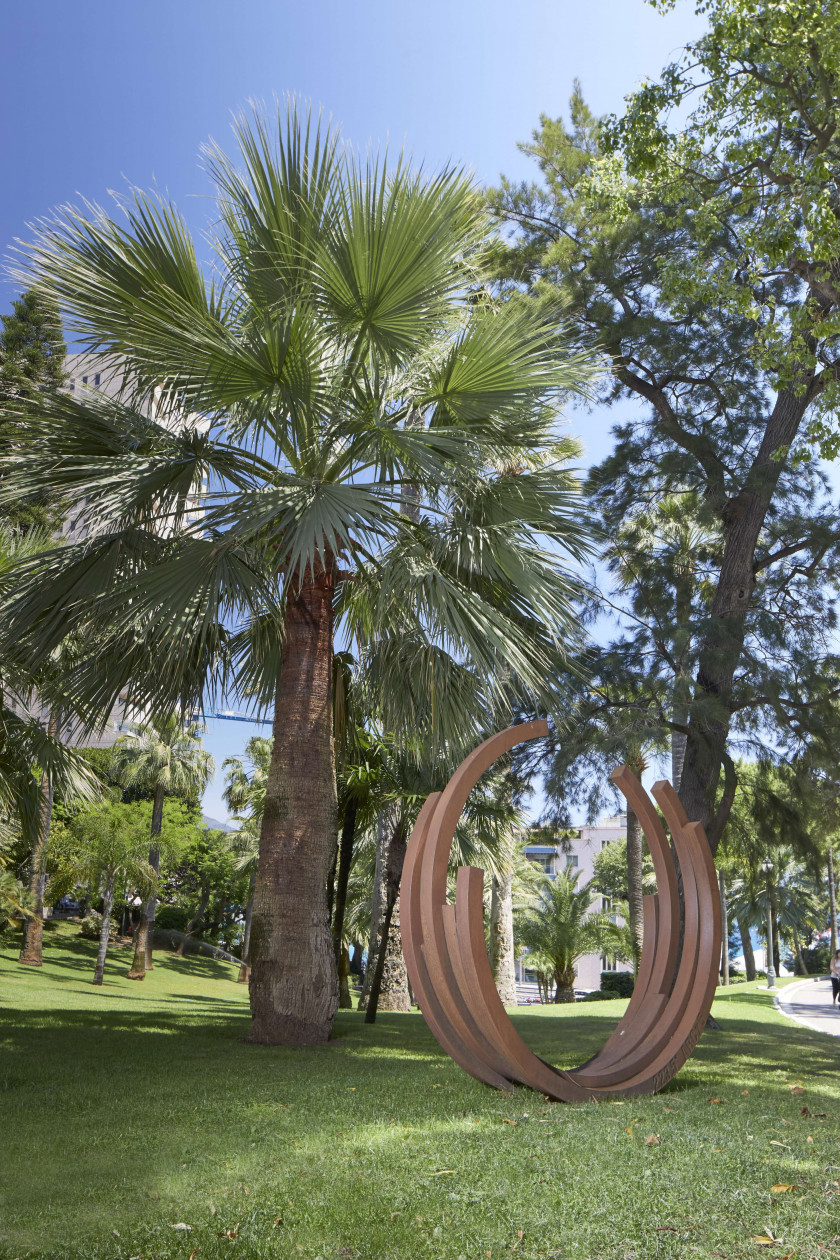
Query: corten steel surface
[{"x": 450, "y": 974}]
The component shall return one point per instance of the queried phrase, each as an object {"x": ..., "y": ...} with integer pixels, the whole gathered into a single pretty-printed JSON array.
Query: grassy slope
[{"x": 129, "y": 1109}]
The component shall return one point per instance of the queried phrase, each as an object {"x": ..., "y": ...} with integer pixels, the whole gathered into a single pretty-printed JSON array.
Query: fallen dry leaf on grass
[
  {"x": 506, "y": 1121},
  {"x": 781, "y": 1187},
  {"x": 773, "y": 1142},
  {"x": 797, "y": 1089},
  {"x": 717, "y": 1100},
  {"x": 763, "y": 1240},
  {"x": 653, "y": 1140},
  {"x": 180, "y": 1225},
  {"x": 666, "y": 1229},
  {"x": 193, "y": 1254}
]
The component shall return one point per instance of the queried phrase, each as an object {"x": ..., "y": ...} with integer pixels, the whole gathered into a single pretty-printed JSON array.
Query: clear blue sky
[{"x": 99, "y": 94}]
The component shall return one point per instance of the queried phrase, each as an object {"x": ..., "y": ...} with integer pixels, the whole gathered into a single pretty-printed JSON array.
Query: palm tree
[
  {"x": 559, "y": 929},
  {"x": 34, "y": 762},
  {"x": 115, "y": 845},
  {"x": 384, "y": 463},
  {"x": 244, "y": 795},
  {"x": 165, "y": 758}
]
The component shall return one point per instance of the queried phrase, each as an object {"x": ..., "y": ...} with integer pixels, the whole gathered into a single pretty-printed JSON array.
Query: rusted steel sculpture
[{"x": 450, "y": 973}]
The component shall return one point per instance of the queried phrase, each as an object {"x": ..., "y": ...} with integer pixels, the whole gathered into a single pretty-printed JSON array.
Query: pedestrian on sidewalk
[{"x": 834, "y": 969}]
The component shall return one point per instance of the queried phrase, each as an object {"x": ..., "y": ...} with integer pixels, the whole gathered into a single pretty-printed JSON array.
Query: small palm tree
[
  {"x": 114, "y": 845},
  {"x": 559, "y": 928},
  {"x": 165, "y": 758}
]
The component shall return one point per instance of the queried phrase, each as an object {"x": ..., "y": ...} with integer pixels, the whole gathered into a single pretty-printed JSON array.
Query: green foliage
[
  {"x": 610, "y": 871},
  {"x": 32, "y": 354},
  {"x": 618, "y": 983},
  {"x": 558, "y": 929},
  {"x": 172, "y": 918},
  {"x": 163, "y": 756},
  {"x": 695, "y": 236},
  {"x": 369, "y": 387}
]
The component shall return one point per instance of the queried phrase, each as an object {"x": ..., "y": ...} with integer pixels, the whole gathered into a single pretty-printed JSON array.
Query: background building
[{"x": 576, "y": 851}]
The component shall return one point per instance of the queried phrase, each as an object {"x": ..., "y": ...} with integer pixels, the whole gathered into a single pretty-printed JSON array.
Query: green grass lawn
[{"x": 134, "y": 1108}]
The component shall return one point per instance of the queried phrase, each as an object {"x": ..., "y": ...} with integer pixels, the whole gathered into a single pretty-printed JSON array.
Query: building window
[
  {"x": 84, "y": 380},
  {"x": 96, "y": 379},
  {"x": 72, "y": 385},
  {"x": 571, "y": 862}
]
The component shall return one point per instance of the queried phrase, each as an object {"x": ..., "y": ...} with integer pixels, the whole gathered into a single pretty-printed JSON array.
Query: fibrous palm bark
[{"x": 294, "y": 978}]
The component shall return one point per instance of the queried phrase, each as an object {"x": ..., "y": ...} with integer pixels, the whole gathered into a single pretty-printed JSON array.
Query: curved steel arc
[{"x": 450, "y": 973}]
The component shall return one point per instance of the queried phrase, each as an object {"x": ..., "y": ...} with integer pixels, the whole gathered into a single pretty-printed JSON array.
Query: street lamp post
[{"x": 767, "y": 871}]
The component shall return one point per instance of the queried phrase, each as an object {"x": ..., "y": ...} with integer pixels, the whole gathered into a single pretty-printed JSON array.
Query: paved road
[{"x": 809, "y": 1003}]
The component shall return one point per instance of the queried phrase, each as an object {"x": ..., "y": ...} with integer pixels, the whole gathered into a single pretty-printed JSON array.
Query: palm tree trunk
[
  {"x": 384, "y": 826},
  {"x": 244, "y": 970},
  {"x": 724, "y": 917},
  {"x": 774, "y": 911},
  {"x": 634, "y": 883},
  {"x": 832, "y": 902},
  {"x": 294, "y": 980},
  {"x": 345, "y": 1001},
  {"x": 565, "y": 982},
  {"x": 501, "y": 938},
  {"x": 32, "y": 951},
  {"x": 389, "y": 986},
  {"x": 105, "y": 931},
  {"x": 154, "y": 862},
  {"x": 345, "y": 860},
  {"x": 138, "y": 965},
  {"x": 746, "y": 946},
  {"x": 801, "y": 965},
  {"x": 394, "y": 993}
]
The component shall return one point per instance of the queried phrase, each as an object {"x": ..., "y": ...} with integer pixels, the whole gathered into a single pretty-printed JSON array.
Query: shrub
[
  {"x": 596, "y": 996},
  {"x": 172, "y": 918},
  {"x": 91, "y": 926},
  {"x": 617, "y": 983},
  {"x": 817, "y": 959}
]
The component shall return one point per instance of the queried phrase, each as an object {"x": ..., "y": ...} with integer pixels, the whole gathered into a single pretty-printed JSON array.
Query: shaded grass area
[{"x": 135, "y": 1108}]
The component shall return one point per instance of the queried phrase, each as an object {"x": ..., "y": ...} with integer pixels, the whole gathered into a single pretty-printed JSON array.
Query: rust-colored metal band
[{"x": 450, "y": 974}]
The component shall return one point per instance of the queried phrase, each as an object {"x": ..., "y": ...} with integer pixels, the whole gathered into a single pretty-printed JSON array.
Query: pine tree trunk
[
  {"x": 32, "y": 951},
  {"x": 154, "y": 862},
  {"x": 746, "y": 946},
  {"x": 832, "y": 902},
  {"x": 138, "y": 965},
  {"x": 294, "y": 980},
  {"x": 634, "y": 882},
  {"x": 801, "y": 965},
  {"x": 723, "y": 641},
  {"x": 105, "y": 931},
  {"x": 501, "y": 938},
  {"x": 242, "y": 978},
  {"x": 724, "y": 918}
]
